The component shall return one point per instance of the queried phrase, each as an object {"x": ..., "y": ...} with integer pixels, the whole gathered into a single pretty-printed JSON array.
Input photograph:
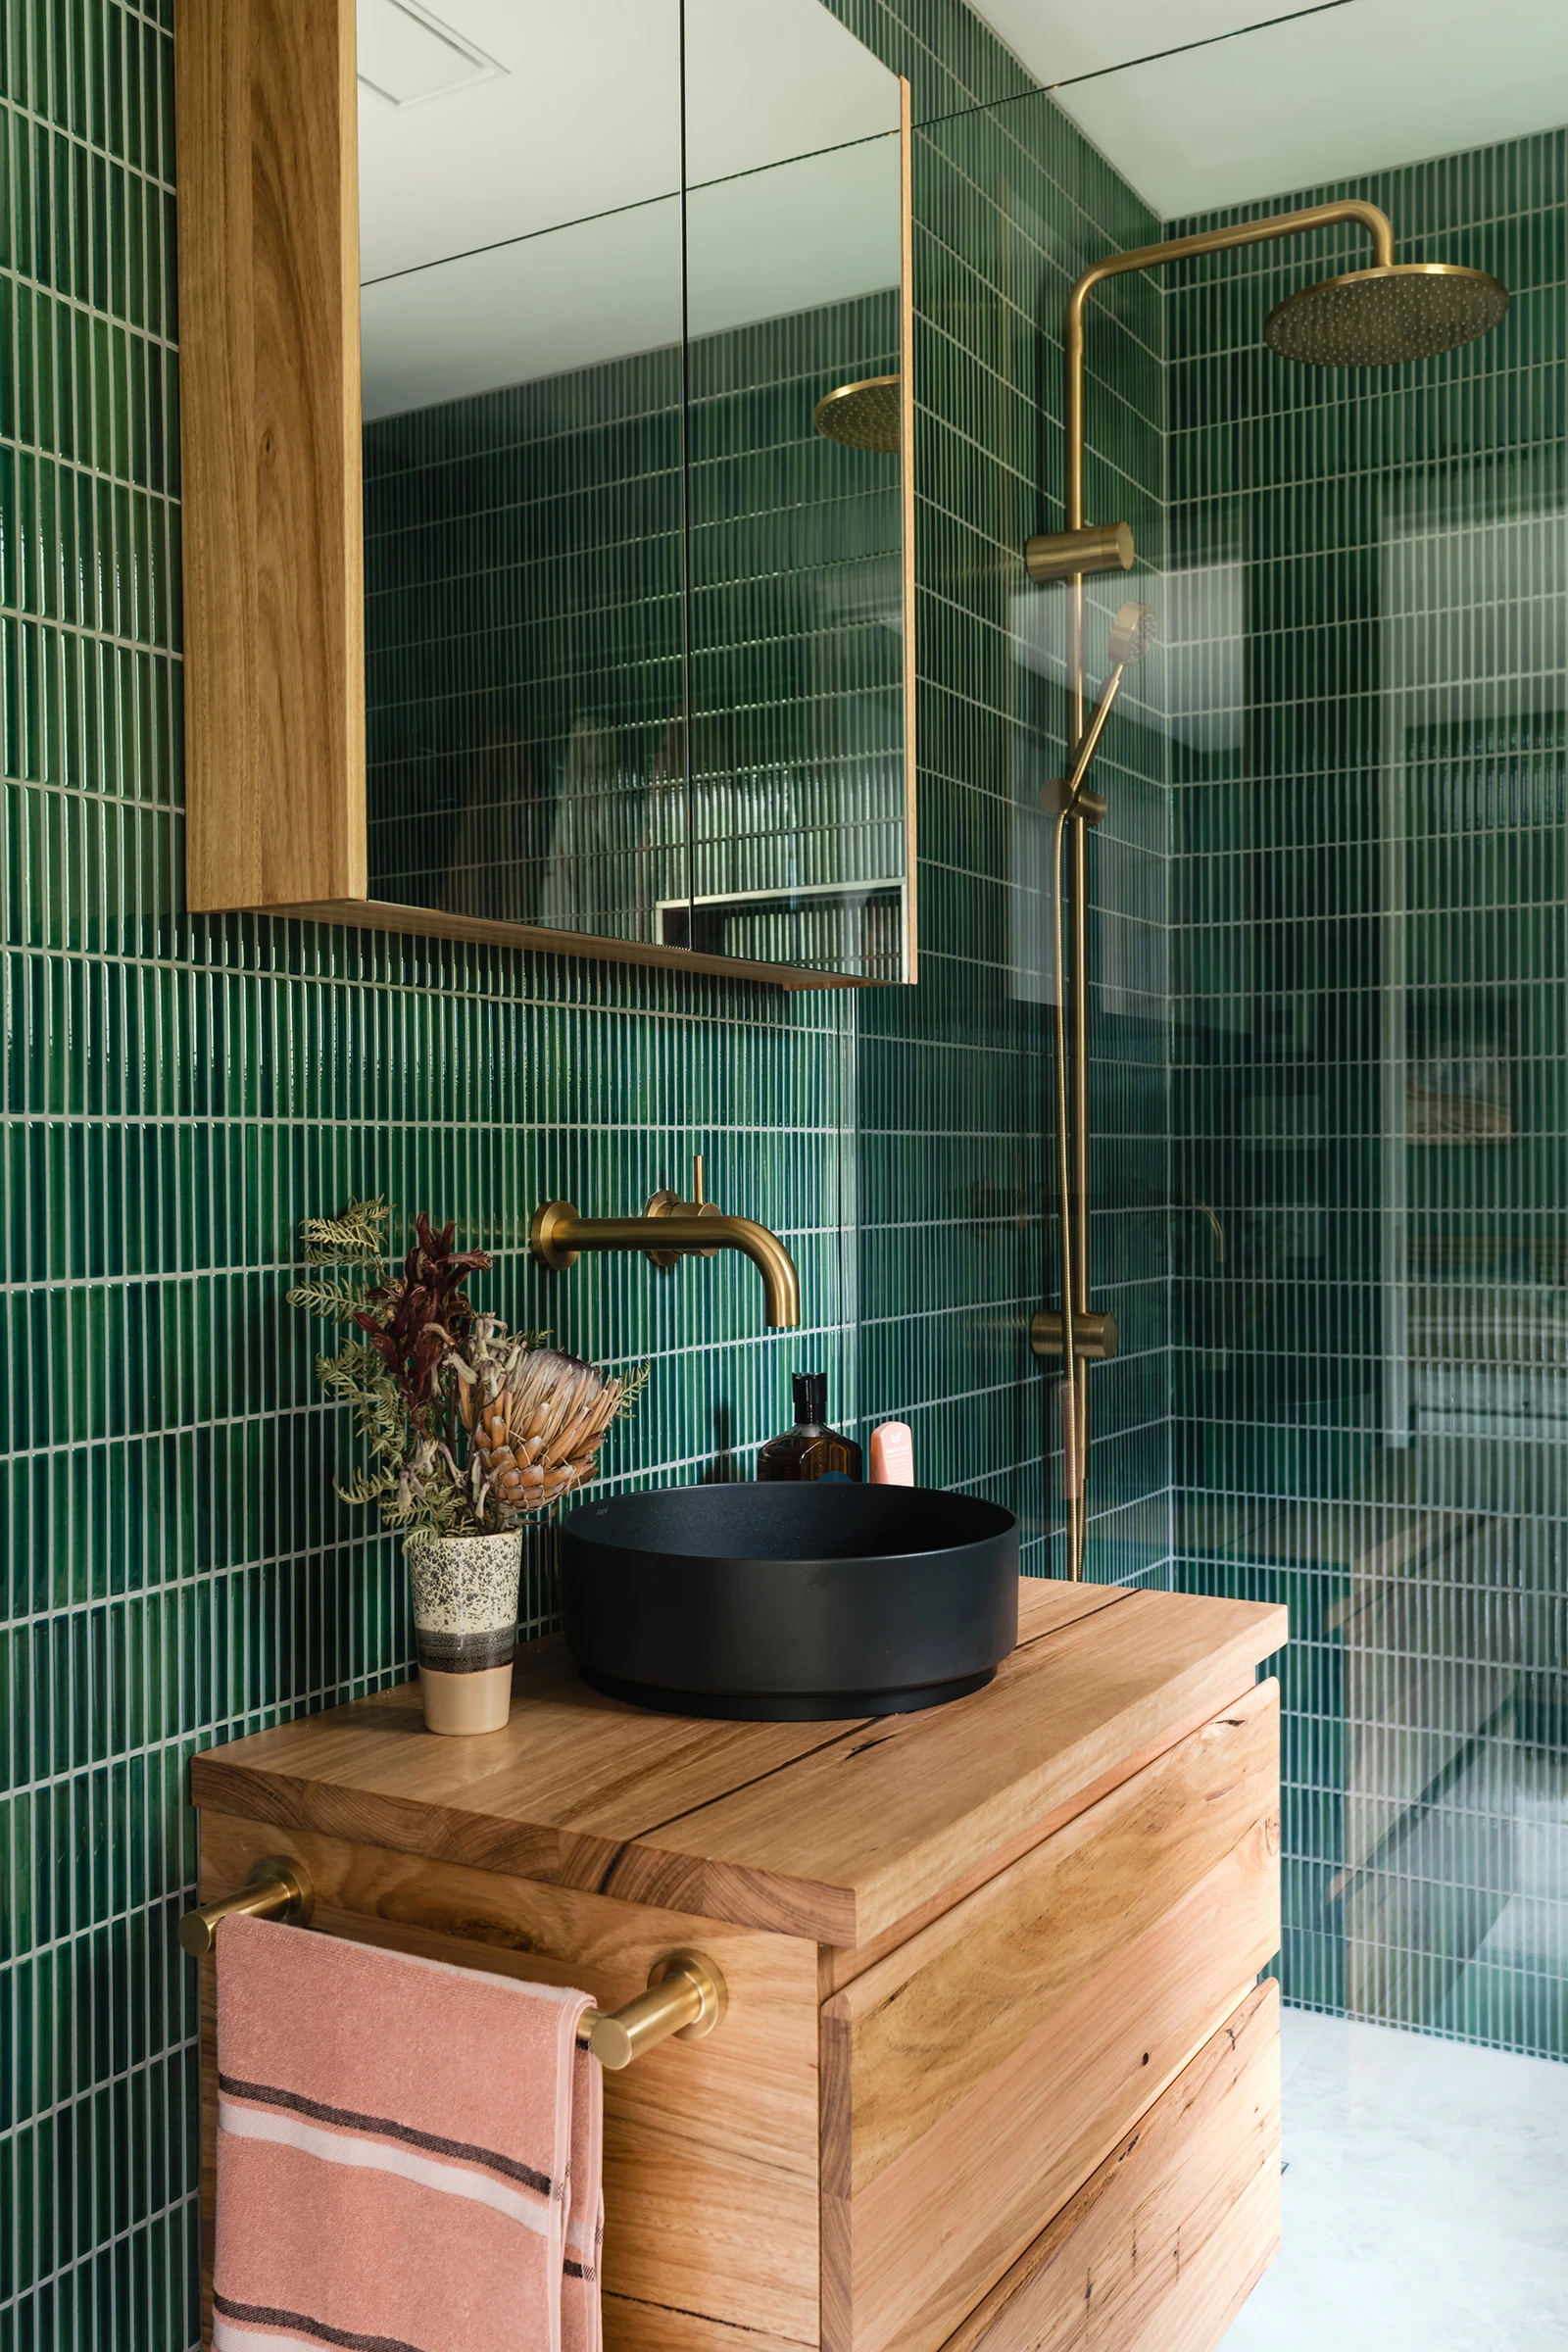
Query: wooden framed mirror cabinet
[{"x": 548, "y": 501}]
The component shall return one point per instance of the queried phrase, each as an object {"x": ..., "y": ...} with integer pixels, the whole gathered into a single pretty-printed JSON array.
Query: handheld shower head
[{"x": 1132, "y": 633}]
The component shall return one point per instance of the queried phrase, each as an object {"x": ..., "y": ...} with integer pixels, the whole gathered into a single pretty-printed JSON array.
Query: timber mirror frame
[{"x": 274, "y": 693}]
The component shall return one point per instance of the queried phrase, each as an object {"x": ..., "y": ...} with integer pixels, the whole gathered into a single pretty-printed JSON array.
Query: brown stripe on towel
[
  {"x": 262, "y": 2315},
  {"x": 383, "y": 2127},
  {"x": 389, "y": 2129}
]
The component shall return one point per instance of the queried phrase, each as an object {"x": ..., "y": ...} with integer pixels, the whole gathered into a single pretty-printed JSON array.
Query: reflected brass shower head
[
  {"x": 863, "y": 415},
  {"x": 1375, "y": 317}
]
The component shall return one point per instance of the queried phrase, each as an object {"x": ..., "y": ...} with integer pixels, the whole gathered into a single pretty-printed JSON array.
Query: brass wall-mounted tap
[{"x": 668, "y": 1230}]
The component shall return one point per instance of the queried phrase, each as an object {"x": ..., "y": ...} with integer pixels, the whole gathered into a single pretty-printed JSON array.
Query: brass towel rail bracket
[
  {"x": 685, "y": 1997},
  {"x": 276, "y": 1889}
]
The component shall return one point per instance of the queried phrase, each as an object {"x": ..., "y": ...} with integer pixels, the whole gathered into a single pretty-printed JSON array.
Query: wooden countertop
[{"x": 831, "y": 1830}]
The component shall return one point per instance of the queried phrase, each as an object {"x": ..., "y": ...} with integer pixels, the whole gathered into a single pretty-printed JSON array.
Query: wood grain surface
[
  {"x": 442, "y": 922},
  {"x": 832, "y": 1832},
  {"x": 1020, "y": 1949},
  {"x": 711, "y": 2147},
  {"x": 895, "y": 1814},
  {"x": 1167, "y": 2239},
  {"x": 267, "y": 114},
  {"x": 906, "y": 2260},
  {"x": 631, "y": 2326},
  {"x": 839, "y": 1965}
]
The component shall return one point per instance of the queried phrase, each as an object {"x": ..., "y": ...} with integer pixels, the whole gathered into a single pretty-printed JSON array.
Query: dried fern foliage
[{"x": 467, "y": 1426}]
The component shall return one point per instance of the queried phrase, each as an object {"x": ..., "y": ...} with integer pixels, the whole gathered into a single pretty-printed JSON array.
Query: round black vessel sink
[{"x": 789, "y": 1603}]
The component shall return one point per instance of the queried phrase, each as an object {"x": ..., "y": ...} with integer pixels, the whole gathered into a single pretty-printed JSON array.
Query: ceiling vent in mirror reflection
[{"x": 406, "y": 55}]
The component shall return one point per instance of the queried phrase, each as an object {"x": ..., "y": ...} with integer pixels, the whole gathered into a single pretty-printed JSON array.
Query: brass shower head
[
  {"x": 1375, "y": 317},
  {"x": 863, "y": 415},
  {"x": 1132, "y": 633}
]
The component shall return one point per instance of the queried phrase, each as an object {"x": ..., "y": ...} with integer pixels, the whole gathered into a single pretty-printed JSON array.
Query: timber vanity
[{"x": 995, "y": 2070}]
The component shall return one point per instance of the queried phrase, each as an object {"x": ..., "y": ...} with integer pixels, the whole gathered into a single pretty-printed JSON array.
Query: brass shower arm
[
  {"x": 1376, "y": 223},
  {"x": 1351, "y": 209},
  {"x": 1370, "y": 217}
]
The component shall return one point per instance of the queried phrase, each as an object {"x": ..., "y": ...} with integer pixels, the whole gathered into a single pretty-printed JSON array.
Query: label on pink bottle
[{"x": 893, "y": 1454}]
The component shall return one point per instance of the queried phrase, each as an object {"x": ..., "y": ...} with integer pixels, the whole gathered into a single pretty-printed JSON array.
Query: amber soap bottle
[{"x": 811, "y": 1449}]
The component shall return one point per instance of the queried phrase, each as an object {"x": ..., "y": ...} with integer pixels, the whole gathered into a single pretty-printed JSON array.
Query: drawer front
[
  {"x": 1167, "y": 2239},
  {"x": 973, "y": 2080}
]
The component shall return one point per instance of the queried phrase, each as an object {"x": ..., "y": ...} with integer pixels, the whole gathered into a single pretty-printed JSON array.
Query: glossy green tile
[{"x": 179, "y": 1092}]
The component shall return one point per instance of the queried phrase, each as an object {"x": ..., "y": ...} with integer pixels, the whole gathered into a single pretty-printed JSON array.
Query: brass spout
[{"x": 670, "y": 1228}]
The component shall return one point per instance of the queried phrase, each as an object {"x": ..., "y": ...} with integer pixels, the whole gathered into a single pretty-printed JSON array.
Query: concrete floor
[{"x": 1425, "y": 2198}]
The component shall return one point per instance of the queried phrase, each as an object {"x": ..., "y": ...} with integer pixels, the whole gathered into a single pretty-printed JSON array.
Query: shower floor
[{"x": 1425, "y": 2196}]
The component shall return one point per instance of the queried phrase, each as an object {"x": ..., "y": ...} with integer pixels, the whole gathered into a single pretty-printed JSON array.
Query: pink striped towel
[{"x": 409, "y": 2154}]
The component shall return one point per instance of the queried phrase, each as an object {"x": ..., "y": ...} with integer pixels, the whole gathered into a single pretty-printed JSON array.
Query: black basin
[{"x": 789, "y": 1603}]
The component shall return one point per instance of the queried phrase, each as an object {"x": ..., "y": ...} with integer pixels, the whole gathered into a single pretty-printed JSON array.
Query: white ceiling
[
  {"x": 550, "y": 117},
  {"x": 1330, "y": 94},
  {"x": 818, "y": 230},
  {"x": 584, "y": 116},
  {"x": 1057, "y": 39}
]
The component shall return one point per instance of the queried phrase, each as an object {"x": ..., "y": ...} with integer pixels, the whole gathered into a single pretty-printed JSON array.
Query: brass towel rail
[{"x": 685, "y": 1994}]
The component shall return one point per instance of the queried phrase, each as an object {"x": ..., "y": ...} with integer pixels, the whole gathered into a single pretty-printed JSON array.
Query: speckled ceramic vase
[{"x": 465, "y": 1619}]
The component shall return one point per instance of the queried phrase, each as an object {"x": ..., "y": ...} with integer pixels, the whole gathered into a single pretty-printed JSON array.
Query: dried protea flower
[
  {"x": 425, "y": 1368},
  {"x": 537, "y": 1437}
]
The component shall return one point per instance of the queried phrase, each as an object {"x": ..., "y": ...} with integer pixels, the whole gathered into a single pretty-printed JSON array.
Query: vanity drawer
[
  {"x": 1167, "y": 2239},
  {"x": 1082, "y": 1980}
]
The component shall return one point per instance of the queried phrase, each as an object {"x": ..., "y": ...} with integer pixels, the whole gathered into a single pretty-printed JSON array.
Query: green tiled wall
[
  {"x": 1371, "y": 1398},
  {"x": 180, "y": 1092}
]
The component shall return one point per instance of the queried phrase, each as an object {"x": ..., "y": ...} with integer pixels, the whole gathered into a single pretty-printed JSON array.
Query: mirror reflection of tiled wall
[{"x": 528, "y": 671}]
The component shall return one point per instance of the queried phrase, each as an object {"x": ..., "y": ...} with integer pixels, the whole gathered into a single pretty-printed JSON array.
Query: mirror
[{"x": 634, "y": 387}]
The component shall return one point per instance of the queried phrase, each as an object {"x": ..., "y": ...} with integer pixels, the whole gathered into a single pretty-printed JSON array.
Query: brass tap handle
[
  {"x": 276, "y": 1889},
  {"x": 670, "y": 1204},
  {"x": 685, "y": 1997}
]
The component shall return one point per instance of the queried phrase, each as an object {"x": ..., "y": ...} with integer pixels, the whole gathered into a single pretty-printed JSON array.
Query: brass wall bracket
[
  {"x": 1089, "y": 804},
  {"x": 1093, "y": 1337},
  {"x": 278, "y": 1888},
  {"x": 1051, "y": 555},
  {"x": 549, "y": 1221}
]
